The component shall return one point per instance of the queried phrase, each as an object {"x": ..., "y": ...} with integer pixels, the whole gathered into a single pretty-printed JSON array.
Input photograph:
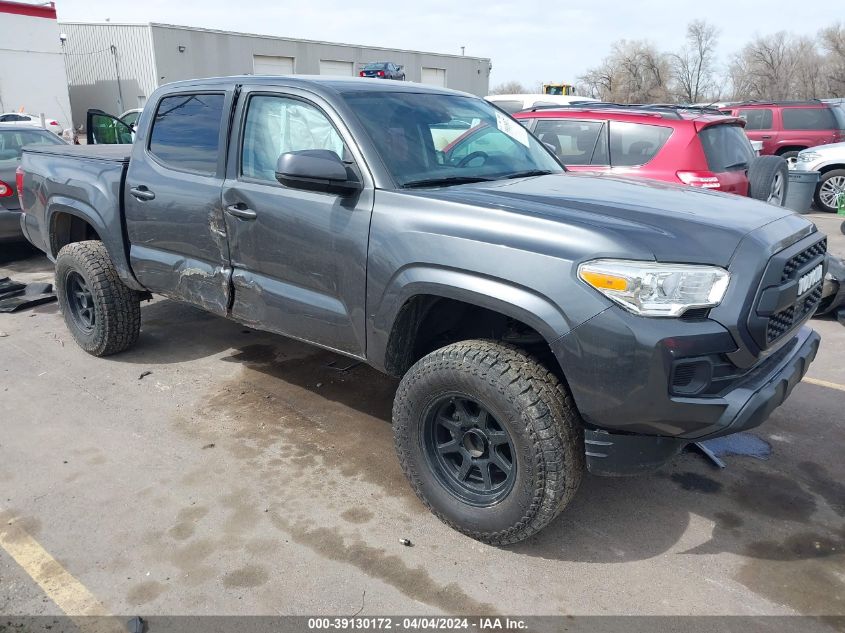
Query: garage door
[
  {"x": 271, "y": 65},
  {"x": 334, "y": 67},
  {"x": 434, "y": 76}
]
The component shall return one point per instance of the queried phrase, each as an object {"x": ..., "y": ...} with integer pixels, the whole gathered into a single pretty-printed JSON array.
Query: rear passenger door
[
  {"x": 299, "y": 257},
  {"x": 174, "y": 216}
]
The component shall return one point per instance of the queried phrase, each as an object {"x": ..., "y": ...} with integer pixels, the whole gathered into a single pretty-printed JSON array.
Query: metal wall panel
[
  {"x": 92, "y": 75},
  {"x": 188, "y": 53}
]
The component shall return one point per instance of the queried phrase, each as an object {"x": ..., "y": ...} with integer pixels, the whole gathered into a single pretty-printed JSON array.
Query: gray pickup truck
[{"x": 544, "y": 324}]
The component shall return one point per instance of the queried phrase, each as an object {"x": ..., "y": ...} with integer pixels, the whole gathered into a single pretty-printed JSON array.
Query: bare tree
[
  {"x": 634, "y": 72},
  {"x": 765, "y": 68},
  {"x": 694, "y": 67},
  {"x": 509, "y": 88},
  {"x": 832, "y": 42}
]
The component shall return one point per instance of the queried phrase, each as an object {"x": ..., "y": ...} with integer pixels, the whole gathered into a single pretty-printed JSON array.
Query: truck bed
[{"x": 110, "y": 153}]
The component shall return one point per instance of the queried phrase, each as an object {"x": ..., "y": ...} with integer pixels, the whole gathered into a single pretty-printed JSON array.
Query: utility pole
[
  {"x": 117, "y": 74},
  {"x": 463, "y": 48}
]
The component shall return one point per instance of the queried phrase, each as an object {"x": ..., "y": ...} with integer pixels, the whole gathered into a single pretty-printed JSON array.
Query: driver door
[
  {"x": 299, "y": 257},
  {"x": 105, "y": 129}
]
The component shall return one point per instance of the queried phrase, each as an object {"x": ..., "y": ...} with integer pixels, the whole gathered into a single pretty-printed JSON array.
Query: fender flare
[
  {"x": 498, "y": 295},
  {"x": 112, "y": 235}
]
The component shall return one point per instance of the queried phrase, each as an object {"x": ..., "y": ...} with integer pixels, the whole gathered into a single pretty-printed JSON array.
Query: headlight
[
  {"x": 655, "y": 289},
  {"x": 806, "y": 157}
]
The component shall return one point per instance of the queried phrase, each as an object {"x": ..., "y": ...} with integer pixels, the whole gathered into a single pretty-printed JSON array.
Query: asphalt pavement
[{"x": 215, "y": 469}]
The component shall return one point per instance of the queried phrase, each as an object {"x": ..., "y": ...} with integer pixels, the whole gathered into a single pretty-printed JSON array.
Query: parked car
[
  {"x": 18, "y": 119},
  {"x": 383, "y": 70},
  {"x": 543, "y": 323},
  {"x": 787, "y": 127},
  {"x": 830, "y": 161},
  {"x": 517, "y": 102},
  {"x": 679, "y": 145},
  {"x": 12, "y": 141}
]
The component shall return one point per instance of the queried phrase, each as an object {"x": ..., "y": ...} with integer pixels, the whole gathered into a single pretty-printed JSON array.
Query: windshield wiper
[
  {"x": 445, "y": 181},
  {"x": 530, "y": 172},
  {"x": 740, "y": 164}
]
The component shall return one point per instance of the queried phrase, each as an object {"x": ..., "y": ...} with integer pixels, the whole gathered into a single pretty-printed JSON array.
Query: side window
[
  {"x": 574, "y": 142},
  {"x": 633, "y": 144},
  {"x": 186, "y": 131},
  {"x": 808, "y": 119},
  {"x": 276, "y": 125},
  {"x": 757, "y": 118}
]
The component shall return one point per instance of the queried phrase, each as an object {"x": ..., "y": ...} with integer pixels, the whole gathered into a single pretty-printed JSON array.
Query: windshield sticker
[{"x": 512, "y": 129}]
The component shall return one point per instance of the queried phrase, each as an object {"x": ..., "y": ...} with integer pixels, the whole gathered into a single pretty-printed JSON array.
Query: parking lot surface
[{"x": 215, "y": 469}]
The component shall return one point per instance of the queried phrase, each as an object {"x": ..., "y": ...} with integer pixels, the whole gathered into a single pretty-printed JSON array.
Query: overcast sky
[{"x": 530, "y": 41}]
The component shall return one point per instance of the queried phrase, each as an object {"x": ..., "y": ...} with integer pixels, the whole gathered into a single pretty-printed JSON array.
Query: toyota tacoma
[{"x": 544, "y": 324}]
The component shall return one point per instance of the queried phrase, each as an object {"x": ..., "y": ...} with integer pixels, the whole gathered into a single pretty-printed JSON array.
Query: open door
[{"x": 105, "y": 129}]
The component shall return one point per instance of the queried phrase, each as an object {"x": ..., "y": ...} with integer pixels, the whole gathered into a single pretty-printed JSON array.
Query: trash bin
[{"x": 799, "y": 193}]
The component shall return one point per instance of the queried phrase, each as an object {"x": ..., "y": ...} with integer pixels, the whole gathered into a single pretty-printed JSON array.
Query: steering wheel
[{"x": 472, "y": 156}]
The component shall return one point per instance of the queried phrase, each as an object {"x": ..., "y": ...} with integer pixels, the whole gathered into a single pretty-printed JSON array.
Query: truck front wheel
[
  {"x": 102, "y": 314},
  {"x": 489, "y": 439}
]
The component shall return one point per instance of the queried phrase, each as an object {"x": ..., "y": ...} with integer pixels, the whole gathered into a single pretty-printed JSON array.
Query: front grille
[
  {"x": 778, "y": 309},
  {"x": 802, "y": 258},
  {"x": 779, "y": 324},
  {"x": 784, "y": 320}
]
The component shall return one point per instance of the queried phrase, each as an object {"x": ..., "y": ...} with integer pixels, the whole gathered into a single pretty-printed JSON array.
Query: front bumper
[{"x": 745, "y": 405}]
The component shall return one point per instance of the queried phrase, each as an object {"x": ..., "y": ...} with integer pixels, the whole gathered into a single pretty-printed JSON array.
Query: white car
[
  {"x": 21, "y": 118},
  {"x": 515, "y": 103},
  {"x": 830, "y": 161}
]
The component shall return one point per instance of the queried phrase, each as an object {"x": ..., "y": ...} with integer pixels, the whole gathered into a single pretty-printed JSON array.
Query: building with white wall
[
  {"x": 32, "y": 67},
  {"x": 115, "y": 67}
]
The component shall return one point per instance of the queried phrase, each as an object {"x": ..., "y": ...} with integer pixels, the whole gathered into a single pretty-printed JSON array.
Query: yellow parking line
[
  {"x": 824, "y": 383},
  {"x": 70, "y": 595}
]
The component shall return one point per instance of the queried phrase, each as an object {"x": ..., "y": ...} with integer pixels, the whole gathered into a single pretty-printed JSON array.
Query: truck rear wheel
[
  {"x": 102, "y": 314},
  {"x": 489, "y": 439}
]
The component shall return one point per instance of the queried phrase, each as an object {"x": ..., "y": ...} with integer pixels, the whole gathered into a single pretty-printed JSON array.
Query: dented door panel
[{"x": 174, "y": 217}]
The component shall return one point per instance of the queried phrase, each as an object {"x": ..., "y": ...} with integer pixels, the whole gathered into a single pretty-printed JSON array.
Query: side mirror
[{"x": 315, "y": 170}]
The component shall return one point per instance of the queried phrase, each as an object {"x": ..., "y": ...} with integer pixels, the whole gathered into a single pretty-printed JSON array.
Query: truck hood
[{"x": 676, "y": 223}]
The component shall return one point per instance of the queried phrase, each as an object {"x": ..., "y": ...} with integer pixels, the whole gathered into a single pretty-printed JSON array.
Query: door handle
[
  {"x": 766, "y": 136},
  {"x": 240, "y": 211},
  {"x": 142, "y": 193}
]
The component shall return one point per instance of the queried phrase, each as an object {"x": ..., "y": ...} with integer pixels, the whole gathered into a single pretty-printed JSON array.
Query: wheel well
[
  {"x": 828, "y": 168},
  {"x": 426, "y": 323},
  {"x": 790, "y": 148},
  {"x": 66, "y": 228}
]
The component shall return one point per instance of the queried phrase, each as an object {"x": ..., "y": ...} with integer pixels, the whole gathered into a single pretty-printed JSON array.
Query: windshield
[
  {"x": 375, "y": 66},
  {"x": 431, "y": 139}
]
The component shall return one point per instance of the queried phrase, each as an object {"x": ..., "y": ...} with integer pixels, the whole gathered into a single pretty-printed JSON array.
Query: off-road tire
[
  {"x": 116, "y": 307},
  {"x": 762, "y": 173},
  {"x": 541, "y": 419}
]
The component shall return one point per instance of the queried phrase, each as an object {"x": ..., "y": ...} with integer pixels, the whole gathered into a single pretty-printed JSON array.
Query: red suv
[
  {"x": 696, "y": 147},
  {"x": 787, "y": 127}
]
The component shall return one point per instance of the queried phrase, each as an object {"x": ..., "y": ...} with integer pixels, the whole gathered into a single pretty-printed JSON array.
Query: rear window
[
  {"x": 574, "y": 142},
  {"x": 726, "y": 147},
  {"x": 186, "y": 131},
  {"x": 808, "y": 119},
  {"x": 757, "y": 119},
  {"x": 633, "y": 144},
  {"x": 12, "y": 142}
]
